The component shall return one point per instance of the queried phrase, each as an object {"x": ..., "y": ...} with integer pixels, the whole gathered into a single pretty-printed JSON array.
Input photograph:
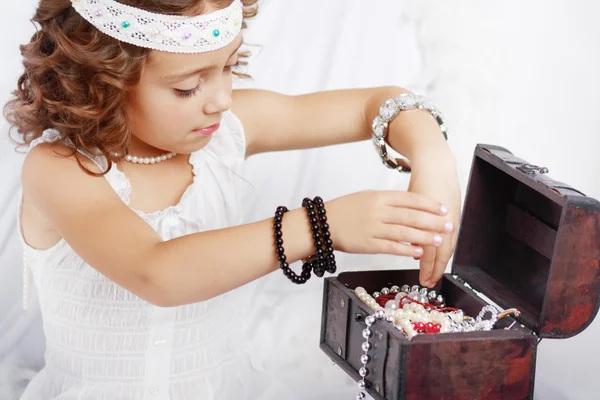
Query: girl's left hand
[{"x": 434, "y": 175}]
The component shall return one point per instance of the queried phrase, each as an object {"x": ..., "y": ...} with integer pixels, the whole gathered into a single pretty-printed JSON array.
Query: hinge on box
[
  {"x": 528, "y": 169},
  {"x": 482, "y": 297}
]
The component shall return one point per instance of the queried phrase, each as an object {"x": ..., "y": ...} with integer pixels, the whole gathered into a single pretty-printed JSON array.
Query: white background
[{"x": 522, "y": 75}]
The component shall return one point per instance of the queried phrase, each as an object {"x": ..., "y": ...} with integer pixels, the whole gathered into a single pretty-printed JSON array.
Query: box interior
[
  {"x": 506, "y": 241},
  {"x": 454, "y": 292}
]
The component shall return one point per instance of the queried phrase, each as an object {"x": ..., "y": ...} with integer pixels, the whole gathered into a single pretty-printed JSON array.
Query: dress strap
[
  {"x": 52, "y": 136},
  {"x": 115, "y": 178}
]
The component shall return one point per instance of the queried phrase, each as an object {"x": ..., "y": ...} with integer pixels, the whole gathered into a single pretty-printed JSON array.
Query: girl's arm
[
  {"x": 274, "y": 121},
  {"x": 113, "y": 239}
]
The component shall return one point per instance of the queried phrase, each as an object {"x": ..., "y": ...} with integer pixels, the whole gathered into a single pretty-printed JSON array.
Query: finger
[
  {"x": 415, "y": 201},
  {"x": 417, "y": 219},
  {"x": 415, "y": 257},
  {"x": 443, "y": 255},
  {"x": 441, "y": 262},
  {"x": 383, "y": 246},
  {"x": 401, "y": 233},
  {"x": 426, "y": 265}
]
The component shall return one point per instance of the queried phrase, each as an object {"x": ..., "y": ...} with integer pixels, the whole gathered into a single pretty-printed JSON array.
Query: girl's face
[{"x": 180, "y": 99}]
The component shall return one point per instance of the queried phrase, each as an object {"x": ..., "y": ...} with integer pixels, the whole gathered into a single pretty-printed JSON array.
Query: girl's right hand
[{"x": 386, "y": 222}]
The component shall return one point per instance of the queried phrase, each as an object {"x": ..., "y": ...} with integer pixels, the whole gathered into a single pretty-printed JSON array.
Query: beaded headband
[{"x": 170, "y": 33}]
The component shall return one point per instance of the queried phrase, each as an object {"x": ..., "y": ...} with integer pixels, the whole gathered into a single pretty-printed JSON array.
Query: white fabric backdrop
[{"x": 522, "y": 75}]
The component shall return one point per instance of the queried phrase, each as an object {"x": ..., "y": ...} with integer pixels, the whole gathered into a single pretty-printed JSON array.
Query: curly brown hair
[{"x": 76, "y": 78}]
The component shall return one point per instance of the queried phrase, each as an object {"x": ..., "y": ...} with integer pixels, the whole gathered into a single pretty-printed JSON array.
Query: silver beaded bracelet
[{"x": 388, "y": 111}]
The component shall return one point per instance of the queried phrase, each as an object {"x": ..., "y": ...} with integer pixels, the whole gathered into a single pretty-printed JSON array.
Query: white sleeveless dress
[{"x": 104, "y": 342}]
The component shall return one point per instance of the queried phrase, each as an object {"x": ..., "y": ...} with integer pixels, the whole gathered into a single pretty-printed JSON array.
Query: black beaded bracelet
[
  {"x": 287, "y": 271},
  {"x": 316, "y": 262},
  {"x": 323, "y": 260},
  {"x": 327, "y": 255}
]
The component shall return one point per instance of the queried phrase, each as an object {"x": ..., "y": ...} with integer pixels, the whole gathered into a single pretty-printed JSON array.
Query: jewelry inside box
[{"x": 415, "y": 310}]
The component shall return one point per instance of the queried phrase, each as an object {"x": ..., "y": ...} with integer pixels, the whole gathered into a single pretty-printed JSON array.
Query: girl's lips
[{"x": 209, "y": 130}]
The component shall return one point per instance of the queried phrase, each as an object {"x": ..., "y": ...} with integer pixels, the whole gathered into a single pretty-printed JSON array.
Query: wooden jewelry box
[{"x": 526, "y": 242}]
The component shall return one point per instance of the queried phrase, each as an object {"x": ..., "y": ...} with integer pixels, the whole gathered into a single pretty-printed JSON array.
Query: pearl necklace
[{"x": 149, "y": 160}]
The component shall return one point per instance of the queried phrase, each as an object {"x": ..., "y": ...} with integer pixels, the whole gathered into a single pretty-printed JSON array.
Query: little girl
[{"x": 128, "y": 213}]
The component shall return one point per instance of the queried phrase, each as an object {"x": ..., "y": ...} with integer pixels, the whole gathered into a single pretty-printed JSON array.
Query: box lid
[{"x": 530, "y": 242}]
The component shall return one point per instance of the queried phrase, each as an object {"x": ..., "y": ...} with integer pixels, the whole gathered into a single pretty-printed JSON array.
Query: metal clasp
[{"x": 531, "y": 169}]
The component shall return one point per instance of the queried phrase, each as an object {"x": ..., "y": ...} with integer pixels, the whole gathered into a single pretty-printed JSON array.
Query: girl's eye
[
  {"x": 235, "y": 66},
  {"x": 188, "y": 93}
]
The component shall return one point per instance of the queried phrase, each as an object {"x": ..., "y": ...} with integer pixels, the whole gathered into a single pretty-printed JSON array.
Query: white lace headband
[{"x": 171, "y": 33}]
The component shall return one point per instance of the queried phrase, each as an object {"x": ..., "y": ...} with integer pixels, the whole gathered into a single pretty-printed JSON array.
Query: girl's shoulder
[
  {"x": 52, "y": 177},
  {"x": 50, "y": 150},
  {"x": 55, "y": 160},
  {"x": 52, "y": 182}
]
